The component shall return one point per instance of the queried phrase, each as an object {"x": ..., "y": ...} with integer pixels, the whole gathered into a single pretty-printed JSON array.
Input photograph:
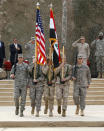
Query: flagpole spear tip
[
  {"x": 51, "y": 5},
  {"x": 37, "y": 4}
]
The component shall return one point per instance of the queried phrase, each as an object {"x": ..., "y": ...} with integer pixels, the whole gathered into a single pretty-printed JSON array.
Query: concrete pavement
[{"x": 94, "y": 117}]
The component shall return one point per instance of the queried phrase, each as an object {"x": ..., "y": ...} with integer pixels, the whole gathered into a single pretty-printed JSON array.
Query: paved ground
[
  {"x": 92, "y": 113},
  {"x": 52, "y": 129},
  {"x": 94, "y": 117}
]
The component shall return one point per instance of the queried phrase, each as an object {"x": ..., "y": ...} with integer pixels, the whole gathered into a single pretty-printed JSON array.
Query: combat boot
[
  {"x": 98, "y": 75},
  {"x": 59, "y": 110},
  {"x": 32, "y": 110},
  {"x": 82, "y": 113},
  {"x": 77, "y": 110},
  {"x": 21, "y": 113},
  {"x": 103, "y": 75},
  {"x": 64, "y": 113},
  {"x": 50, "y": 113},
  {"x": 17, "y": 111},
  {"x": 37, "y": 114},
  {"x": 46, "y": 109}
]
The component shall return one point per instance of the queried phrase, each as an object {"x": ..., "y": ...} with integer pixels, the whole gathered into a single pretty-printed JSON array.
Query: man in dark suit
[
  {"x": 2, "y": 53},
  {"x": 15, "y": 49}
]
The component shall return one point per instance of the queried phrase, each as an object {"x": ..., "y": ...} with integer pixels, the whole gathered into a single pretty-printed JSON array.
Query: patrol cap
[
  {"x": 100, "y": 34},
  {"x": 80, "y": 57},
  {"x": 20, "y": 55},
  {"x": 82, "y": 37}
]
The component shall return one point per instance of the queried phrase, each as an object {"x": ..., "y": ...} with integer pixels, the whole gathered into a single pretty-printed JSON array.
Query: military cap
[
  {"x": 100, "y": 34},
  {"x": 20, "y": 55},
  {"x": 80, "y": 57},
  {"x": 82, "y": 37}
]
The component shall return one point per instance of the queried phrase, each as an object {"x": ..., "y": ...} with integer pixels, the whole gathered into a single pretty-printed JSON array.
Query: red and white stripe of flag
[{"x": 40, "y": 41}]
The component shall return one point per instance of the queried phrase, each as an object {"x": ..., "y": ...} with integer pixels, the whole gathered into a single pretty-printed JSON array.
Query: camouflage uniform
[
  {"x": 36, "y": 89},
  {"x": 20, "y": 84},
  {"x": 83, "y": 50},
  {"x": 83, "y": 79},
  {"x": 99, "y": 53},
  {"x": 49, "y": 90},
  {"x": 30, "y": 51},
  {"x": 62, "y": 89}
]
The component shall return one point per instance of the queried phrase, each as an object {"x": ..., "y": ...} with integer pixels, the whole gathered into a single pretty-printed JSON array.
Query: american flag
[{"x": 40, "y": 40}]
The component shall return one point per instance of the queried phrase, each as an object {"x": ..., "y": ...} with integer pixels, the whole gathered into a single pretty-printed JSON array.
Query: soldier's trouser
[
  {"x": 62, "y": 93},
  {"x": 20, "y": 91},
  {"x": 1, "y": 62},
  {"x": 79, "y": 95},
  {"x": 100, "y": 64},
  {"x": 36, "y": 96},
  {"x": 49, "y": 92}
]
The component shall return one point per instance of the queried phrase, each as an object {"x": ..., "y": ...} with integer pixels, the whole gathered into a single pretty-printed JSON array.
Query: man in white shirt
[{"x": 15, "y": 49}]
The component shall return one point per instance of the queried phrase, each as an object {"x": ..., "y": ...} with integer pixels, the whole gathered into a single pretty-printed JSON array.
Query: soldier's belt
[
  {"x": 34, "y": 83},
  {"x": 49, "y": 84},
  {"x": 62, "y": 82}
]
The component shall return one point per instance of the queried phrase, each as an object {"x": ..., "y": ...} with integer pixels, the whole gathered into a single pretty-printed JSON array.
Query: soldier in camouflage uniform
[
  {"x": 82, "y": 78},
  {"x": 49, "y": 87},
  {"x": 99, "y": 53},
  {"x": 30, "y": 49},
  {"x": 30, "y": 52},
  {"x": 62, "y": 86},
  {"x": 19, "y": 73},
  {"x": 36, "y": 89},
  {"x": 83, "y": 49}
]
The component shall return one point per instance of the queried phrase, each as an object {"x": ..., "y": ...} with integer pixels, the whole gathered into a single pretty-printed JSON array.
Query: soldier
[
  {"x": 99, "y": 53},
  {"x": 83, "y": 48},
  {"x": 30, "y": 52},
  {"x": 82, "y": 78},
  {"x": 36, "y": 88},
  {"x": 49, "y": 88},
  {"x": 30, "y": 49},
  {"x": 19, "y": 73},
  {"x": 62, "y": 86}
]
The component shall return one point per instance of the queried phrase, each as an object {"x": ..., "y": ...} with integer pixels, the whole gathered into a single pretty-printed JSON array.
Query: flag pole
[
  {"x": 35, "y": 64},
  {"x": 35, "y": 49},
  {"x": 50, "y": 67},
  {"x": 63, "y": 62},
  {"x": 50, "y": 57}
]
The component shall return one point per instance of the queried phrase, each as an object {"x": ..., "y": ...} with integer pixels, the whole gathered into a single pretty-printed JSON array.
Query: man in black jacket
[
  {"x": 15, "y": 49},
  {"x": 2, "y": 52}
]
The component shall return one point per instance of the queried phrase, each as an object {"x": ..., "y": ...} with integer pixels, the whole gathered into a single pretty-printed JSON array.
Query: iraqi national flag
[{"x": 54, "y": 41}]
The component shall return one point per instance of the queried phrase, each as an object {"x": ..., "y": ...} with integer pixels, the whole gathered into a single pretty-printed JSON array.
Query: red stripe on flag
[{"x": 40, "y": 40}]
